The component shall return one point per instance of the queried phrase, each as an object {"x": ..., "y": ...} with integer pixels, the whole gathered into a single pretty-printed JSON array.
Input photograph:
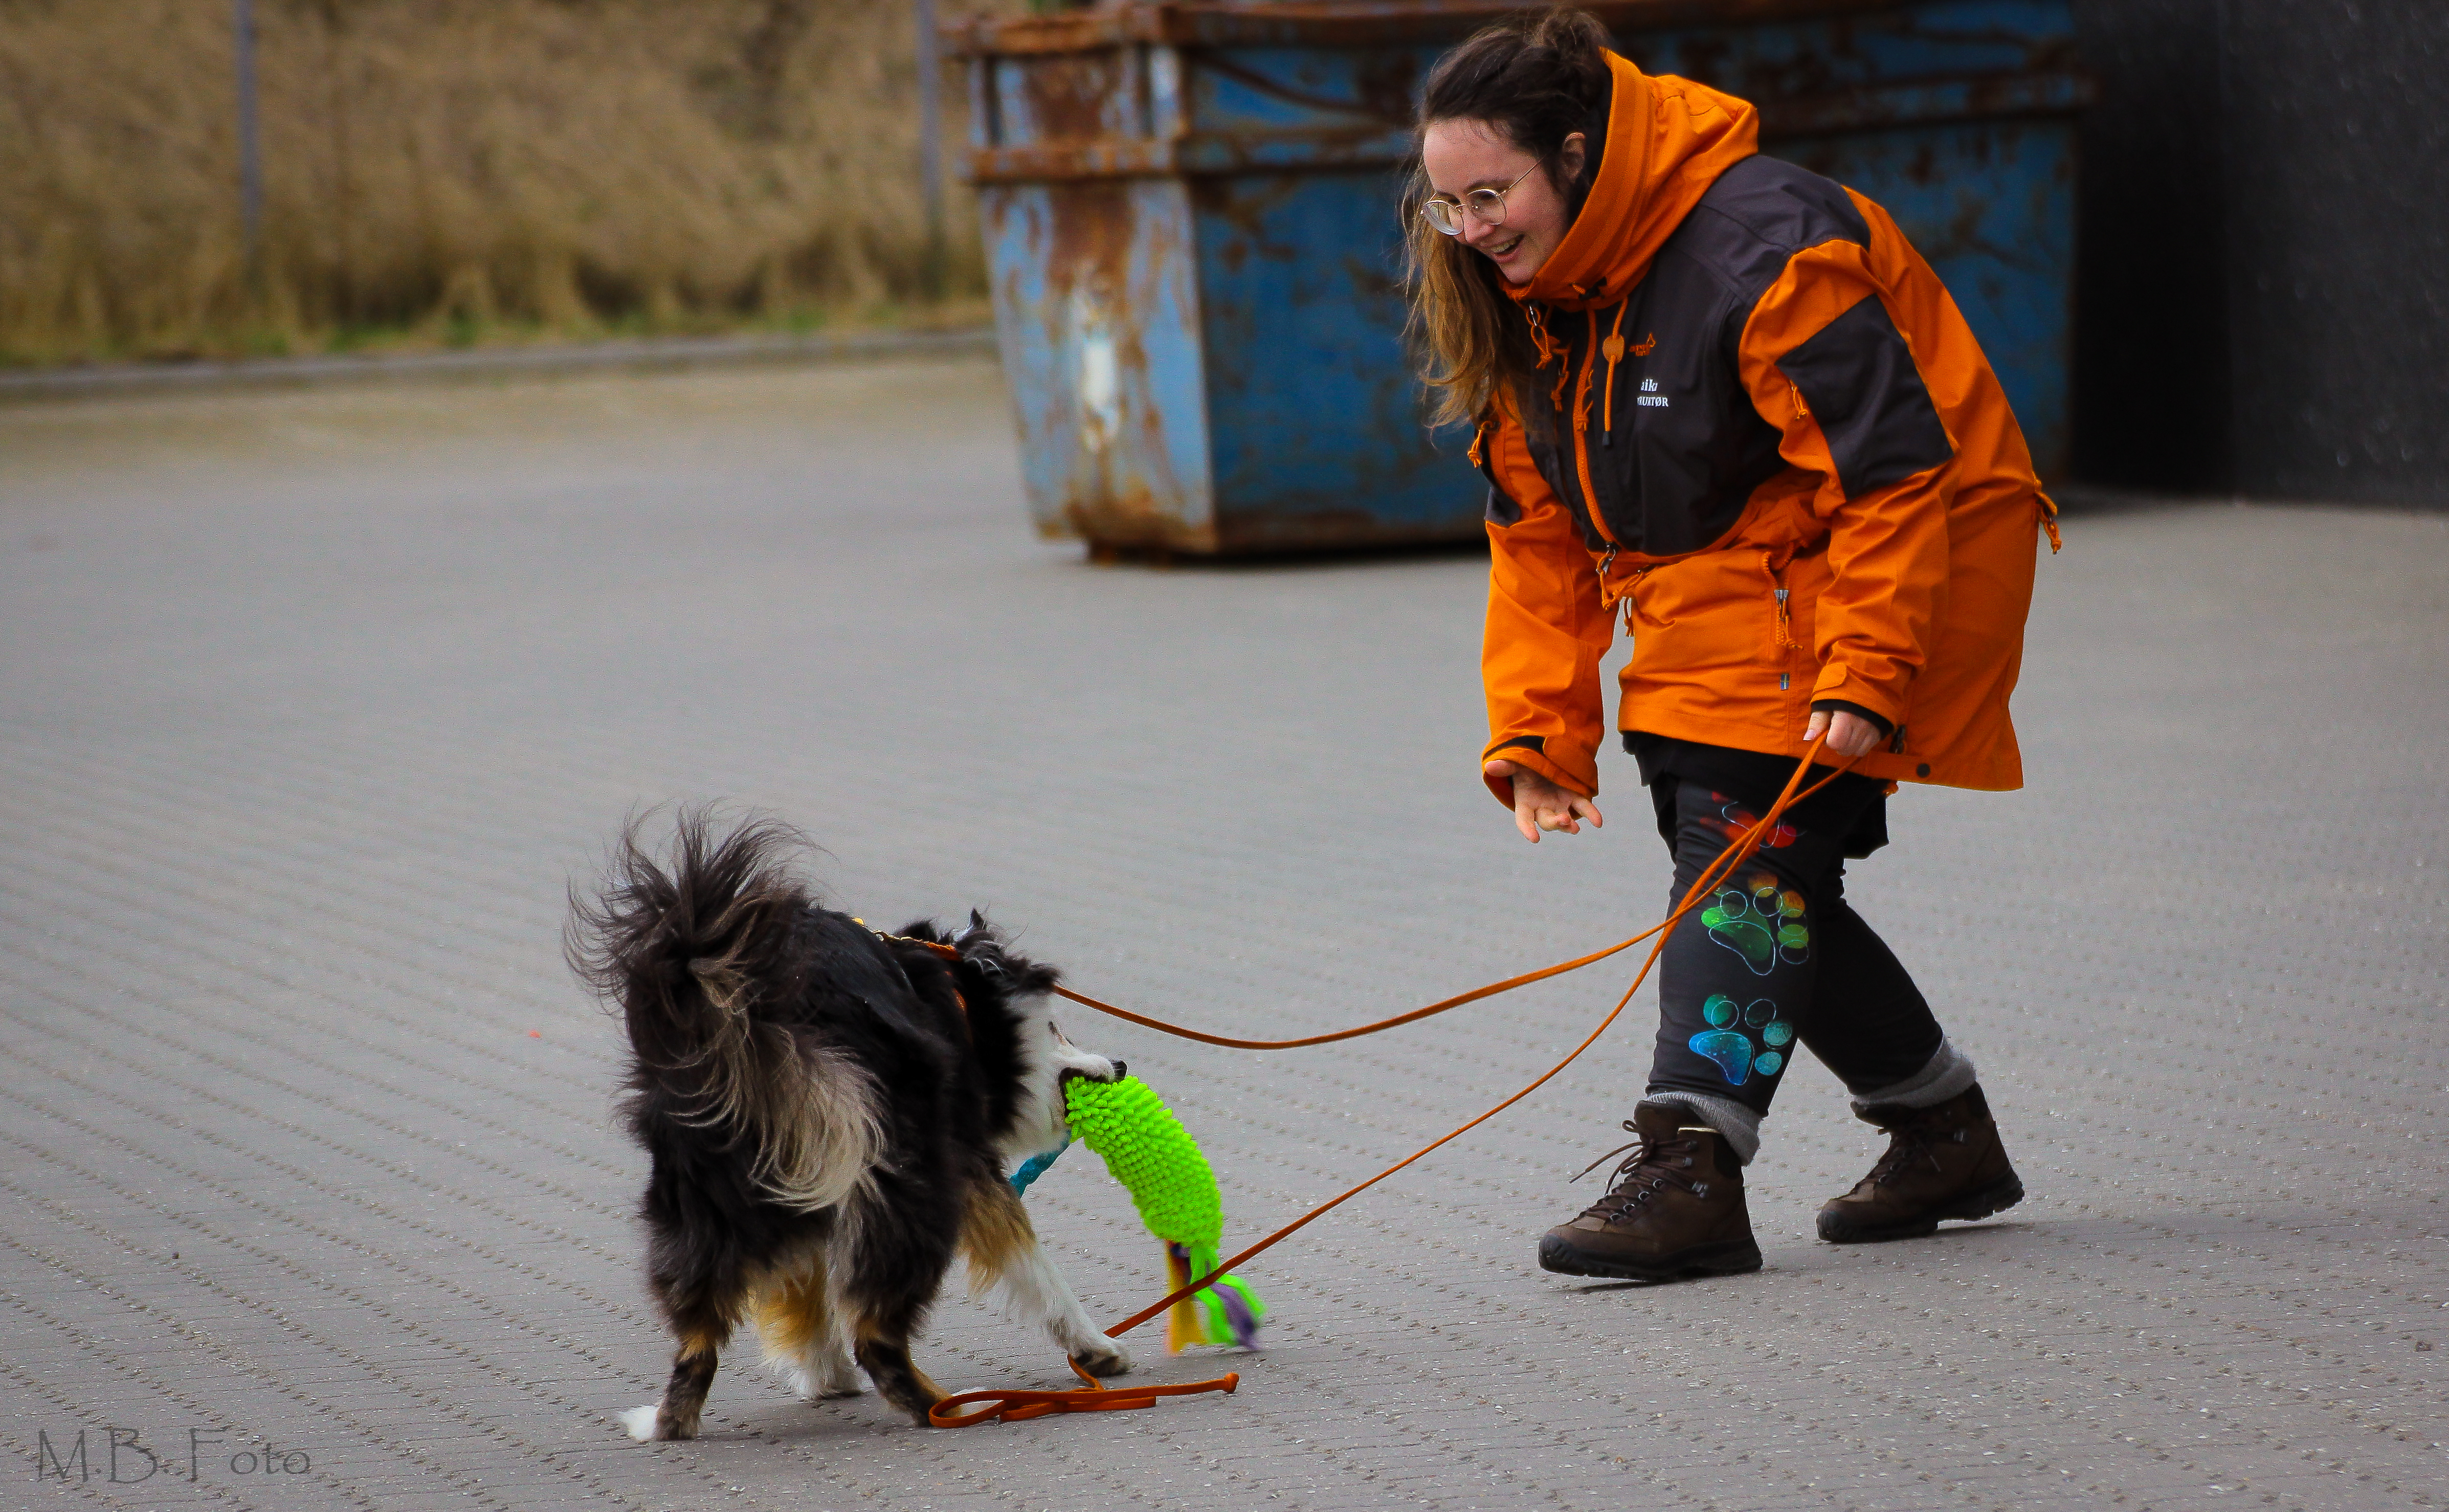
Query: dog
[{"x": 828, "y": 1113}]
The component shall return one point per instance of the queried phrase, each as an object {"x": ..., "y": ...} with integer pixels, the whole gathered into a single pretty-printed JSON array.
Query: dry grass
[{"x": 459, "y": 168}]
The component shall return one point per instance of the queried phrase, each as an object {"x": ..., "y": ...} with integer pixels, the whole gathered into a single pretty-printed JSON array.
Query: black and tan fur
[{"x": 828, "y": 1114}]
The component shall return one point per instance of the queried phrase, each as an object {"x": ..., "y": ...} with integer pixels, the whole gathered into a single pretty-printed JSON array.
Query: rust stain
[
  {"x": 1104, "y": 260},
  {"x": 1067, "y": 94},
  {"x": 1088, "y": 245},
  {"x": 1108, "y": 524}
]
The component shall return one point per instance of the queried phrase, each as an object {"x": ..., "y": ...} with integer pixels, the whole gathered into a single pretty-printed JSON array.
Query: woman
[{"x": 1724, "y": 397}]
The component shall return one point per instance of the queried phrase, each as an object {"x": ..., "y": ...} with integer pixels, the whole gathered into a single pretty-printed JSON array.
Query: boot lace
[
  {"x": 1641, "y": 1174},
  {"x": 1909, "y": 1149}
]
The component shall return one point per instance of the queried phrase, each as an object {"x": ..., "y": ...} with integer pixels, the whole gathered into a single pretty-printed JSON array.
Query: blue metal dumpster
[{"x": 1191, "y": 230}]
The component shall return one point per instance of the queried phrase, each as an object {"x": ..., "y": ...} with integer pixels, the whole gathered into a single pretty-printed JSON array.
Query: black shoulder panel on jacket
[
  {"x": 1859, "y": 378},
  {"x": 1761, "y": 212},
  {"x": 1501, "y": 508}
]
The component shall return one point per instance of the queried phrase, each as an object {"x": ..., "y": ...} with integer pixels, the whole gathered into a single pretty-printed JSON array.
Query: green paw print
[
  {"x": 1728, "y": 1040},
  {"x": 1761, "y": 923}
]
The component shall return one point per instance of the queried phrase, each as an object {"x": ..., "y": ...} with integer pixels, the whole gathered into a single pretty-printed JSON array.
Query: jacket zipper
[
  {"x": 1784, "y": 645},
  {"x": 1785, "y": 638},
  {"x": 1582, "y": 455}
]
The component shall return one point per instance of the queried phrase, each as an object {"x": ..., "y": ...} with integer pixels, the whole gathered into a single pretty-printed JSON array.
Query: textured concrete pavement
[{"x": 311, "y": 705}]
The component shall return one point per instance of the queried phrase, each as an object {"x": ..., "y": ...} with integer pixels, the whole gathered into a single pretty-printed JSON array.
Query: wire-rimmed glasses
[{"x": 1485, "y": 206}]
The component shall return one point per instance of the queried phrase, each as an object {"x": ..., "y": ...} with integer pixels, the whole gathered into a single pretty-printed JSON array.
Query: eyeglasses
[{"x": 1488, "y": 206}]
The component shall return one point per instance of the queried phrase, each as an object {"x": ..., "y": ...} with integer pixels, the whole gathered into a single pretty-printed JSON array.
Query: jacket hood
[{"x": 1668, "y": 140}]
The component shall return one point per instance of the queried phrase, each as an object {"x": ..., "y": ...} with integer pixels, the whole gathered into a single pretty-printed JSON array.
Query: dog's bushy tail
[{"x": 688, "y": 952}]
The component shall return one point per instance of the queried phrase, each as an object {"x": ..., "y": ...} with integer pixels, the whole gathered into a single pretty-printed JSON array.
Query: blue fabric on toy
[{"x": 1035, "y": 1166}]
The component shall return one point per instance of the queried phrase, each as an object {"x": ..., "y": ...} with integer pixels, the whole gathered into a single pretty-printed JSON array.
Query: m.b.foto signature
[{"x": 122, "y": 1457}]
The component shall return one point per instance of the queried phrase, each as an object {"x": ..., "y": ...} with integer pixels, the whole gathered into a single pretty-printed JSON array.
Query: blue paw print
[{"x": 1728, "y": 1040}]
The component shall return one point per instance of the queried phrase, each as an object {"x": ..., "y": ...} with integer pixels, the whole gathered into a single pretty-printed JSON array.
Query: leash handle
[{"x": 1012, "y": 1404}]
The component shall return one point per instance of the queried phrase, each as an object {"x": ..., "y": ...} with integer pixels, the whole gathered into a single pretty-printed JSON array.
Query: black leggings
[{"x": 1774, "y": 957}]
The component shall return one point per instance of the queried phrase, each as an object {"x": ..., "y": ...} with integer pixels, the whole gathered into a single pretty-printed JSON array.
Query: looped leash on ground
[
  {"x": 1012, "y": 1405},
  {"x": 1017, "y": 1406}
]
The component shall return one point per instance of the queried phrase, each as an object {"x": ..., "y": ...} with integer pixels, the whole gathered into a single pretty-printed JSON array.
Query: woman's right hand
[{"x": 1539, "y": 804}]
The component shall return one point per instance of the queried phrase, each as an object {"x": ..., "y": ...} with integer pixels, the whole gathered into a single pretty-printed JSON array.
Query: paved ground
[{"x": 311, "y": 704}]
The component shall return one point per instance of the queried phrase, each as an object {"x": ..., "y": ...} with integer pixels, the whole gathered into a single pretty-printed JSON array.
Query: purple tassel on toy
[{"x": 1237, "y": 1311}]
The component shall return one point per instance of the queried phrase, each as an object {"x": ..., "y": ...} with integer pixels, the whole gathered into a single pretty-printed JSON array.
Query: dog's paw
[
  {"x": 1104, "y": 1358},
  {"x": 824, "y": 1384},
  {"x": 822, "y": 1371},
  {"x": 838, "y": 1377},
  {"x": 639, "y": 1423}
]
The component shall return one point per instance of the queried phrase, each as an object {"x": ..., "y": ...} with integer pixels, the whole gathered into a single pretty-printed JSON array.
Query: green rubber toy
[{"x": 1148, "y": 1151}]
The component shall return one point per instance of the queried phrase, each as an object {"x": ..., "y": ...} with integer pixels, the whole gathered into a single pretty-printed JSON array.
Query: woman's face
[{"x": 1460, "y": 156}]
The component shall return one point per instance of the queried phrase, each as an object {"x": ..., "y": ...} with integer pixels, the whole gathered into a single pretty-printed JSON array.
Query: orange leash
[
  {"x": 1017, "y": 1406},
  {"x": 1492, "y": 990}
]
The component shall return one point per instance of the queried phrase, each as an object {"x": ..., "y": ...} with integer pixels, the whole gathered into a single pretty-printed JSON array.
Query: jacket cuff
[
  {"x": 1887, "y": 725},
  {"x": 1842, "y": 685},
  {"x": 1528, "y": 751}
]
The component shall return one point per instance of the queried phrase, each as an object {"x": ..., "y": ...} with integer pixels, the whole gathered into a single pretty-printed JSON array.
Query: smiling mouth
[{"x": 1507, "y": 250}]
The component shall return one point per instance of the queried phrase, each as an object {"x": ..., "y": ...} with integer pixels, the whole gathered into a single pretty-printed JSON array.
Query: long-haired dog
[{"x": 828, "y": 1113}]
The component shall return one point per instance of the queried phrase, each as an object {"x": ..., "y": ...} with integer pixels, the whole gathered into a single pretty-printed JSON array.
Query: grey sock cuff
[
  {"x": 1948, "y": 1074},
  {"x": 1737, "y": 1124}
]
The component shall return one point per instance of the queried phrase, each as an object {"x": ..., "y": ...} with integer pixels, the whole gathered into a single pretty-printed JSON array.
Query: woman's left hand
[{"x": 1848, "y": 734}]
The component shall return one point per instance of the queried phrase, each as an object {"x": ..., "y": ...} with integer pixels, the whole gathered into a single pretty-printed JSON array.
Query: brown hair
[{"x": 1537, "y": 78}]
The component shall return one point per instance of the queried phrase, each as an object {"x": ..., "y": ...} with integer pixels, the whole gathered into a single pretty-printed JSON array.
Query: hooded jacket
[{"x": 1761, "y": 431}]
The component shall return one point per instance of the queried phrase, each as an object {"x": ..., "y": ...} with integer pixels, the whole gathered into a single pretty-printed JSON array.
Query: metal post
[
  {"x": 250, "y": 145},
  {"x": 931, "y": 141}
]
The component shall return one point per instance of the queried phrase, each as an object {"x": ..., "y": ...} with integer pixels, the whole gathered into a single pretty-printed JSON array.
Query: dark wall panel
[
  {"x": 2151, "y": 377},
  {"x": 2338, "y": 231},
  {"x": 2264, "y": 281}
]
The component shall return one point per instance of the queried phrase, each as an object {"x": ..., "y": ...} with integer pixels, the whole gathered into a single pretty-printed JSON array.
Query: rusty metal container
[{"x": 1190, "y": 220}]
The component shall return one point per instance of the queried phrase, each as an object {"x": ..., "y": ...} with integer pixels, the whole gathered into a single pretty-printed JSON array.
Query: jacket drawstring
[
  {"x": 1537, "y": 316},
  {"x": 2050, "y": 521}
]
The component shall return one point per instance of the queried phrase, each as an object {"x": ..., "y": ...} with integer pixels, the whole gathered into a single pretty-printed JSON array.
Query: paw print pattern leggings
[{"x": 1774, "y": 957}]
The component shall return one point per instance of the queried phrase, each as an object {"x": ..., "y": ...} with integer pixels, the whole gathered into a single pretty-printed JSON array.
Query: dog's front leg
[
  {"x": 1003, "y": 1251},
  {"x": 1038, "y": 1289},
  {"x": 676, "y": 1415}
]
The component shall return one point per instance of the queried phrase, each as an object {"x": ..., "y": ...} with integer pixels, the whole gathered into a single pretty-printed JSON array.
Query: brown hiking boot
[
  {"x": 1676, "y": 1209},
  {"x": 1943, "y": 1162}
]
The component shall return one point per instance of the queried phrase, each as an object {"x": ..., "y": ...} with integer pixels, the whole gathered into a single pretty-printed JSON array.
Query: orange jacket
[{"x": 1761, "y": 427}]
